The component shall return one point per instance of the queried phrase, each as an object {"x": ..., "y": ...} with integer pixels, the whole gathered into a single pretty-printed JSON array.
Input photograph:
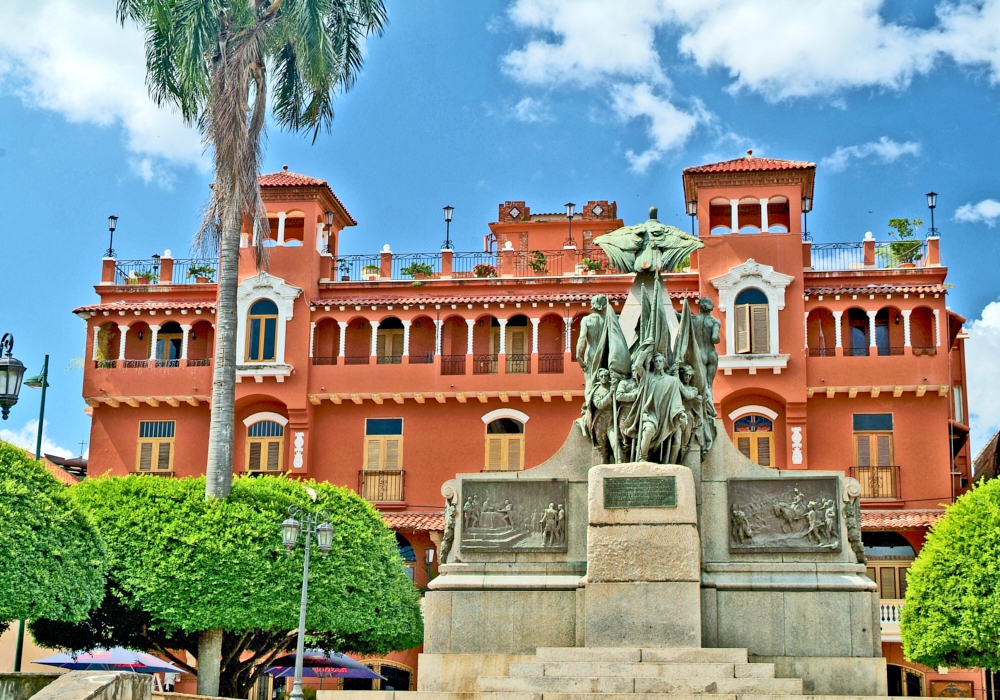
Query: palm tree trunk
[
  {"x": 209, "y": 661},
  {"x": 219, "y": 473}
]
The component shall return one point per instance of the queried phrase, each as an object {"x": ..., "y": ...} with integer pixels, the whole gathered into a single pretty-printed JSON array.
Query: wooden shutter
[
  {"x": 273, "y": 456},
  {"x": 145, "y": 461},
  {"x": 380, "y": 344},
  {"x": 253, "y": 455},
  {"x": 743, "y": 329},
  {"x": 759, "y": 332},
  {"x": 887, "y": 582},
  {"x": 864, "y": 450},
  {"x": 397, "y": 344},
  {"x": 764, "y": 450},
  {"x": 392, "y": 453},
  {"x": 883, "y": 445},
  {"x": 373, "y": 458},
  {"x": 516, "y": 343},
  {"x": 902, "y": 580},
  {"x": 870, "y": 572},
  {"x": 743, "y": 445},
  {"x": 163, "y": 456},
  {"x": 514, "y": 444},
  {"x": 494, "y": 452}
]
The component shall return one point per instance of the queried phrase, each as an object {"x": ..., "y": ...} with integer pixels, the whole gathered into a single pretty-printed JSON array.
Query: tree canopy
[
  {"x": 180, "y": 564},
  {"x": 52, "y": 561},
  {"x": 951, "y": 616}
]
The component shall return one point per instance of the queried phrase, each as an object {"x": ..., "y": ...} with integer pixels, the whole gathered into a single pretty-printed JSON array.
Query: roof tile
[
  {"x": 290, "y": 179},
  {"x": 900, "y": 519},
  {"x": 877, "y": 289},
  {"x": 417, "y": 522},
  {"x": 147, "y": 306},
  {"x": 750, "y": 163},
  {"x": 573, "y": 297}
]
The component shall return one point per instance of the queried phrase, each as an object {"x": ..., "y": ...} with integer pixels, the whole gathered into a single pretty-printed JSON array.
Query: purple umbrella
[
  {"x": 116, "y": 659},
  {"x": 317, "y": 663}
]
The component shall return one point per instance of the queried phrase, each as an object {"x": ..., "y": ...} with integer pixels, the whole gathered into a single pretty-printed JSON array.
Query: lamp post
[
  {"x": 692, "y": 211},
  {"x": 448, "y": 211},
  {"x": 329, "y": 230},
  {"x": 11, "y": 372},
  {"x": 311, "y": 524},
  {"x": 112, "y": 225},
  {"x": 570, "y": 209},
  {"x": 932, "y": 205},
  {"x": 807, "y": 205}
]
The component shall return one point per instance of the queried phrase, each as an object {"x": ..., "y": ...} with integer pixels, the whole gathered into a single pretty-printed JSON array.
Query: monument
[{"x": 648, "y": 537}]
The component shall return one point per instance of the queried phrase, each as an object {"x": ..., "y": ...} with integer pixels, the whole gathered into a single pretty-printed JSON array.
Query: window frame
[
  {"x": 754, "y": 438},
  {"x": 265, "y": 442},
  {"x": 155, "y": 447},
  {"x": 383, "y": 440},
  {"x": 260, "y": 321},
  {"x": 504, "y": 442},
  {"x": 752, "y": 325}
]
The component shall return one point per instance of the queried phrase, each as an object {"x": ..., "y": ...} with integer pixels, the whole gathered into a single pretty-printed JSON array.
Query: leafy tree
[
  {"x": 181, "y": 564},
  {"x": 52, "y": 561},
  {"x": 951, "y": 616},
  {"x": 906, "y": 247}
]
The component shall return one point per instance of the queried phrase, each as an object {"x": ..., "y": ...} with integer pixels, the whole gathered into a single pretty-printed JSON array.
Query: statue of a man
[
  {"x": 587, "y": 346},
  {"x": 626, "y": 391},
  {"x": 602, "y": 419},
  {"x": 706, "y": 332},
  {"x": 662, "y": 409},
  {"x": 693, "y": 408}
]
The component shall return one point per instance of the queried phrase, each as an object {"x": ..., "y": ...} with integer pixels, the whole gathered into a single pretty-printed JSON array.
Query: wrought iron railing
[
  {"x": 924, "y": 350},
  {"x": 422, "y": 358},
  {"x": 355, "y": 268},
  {"x": 199, "y": 362},
  {"x": 381, "y": 485},
  {"x": 822, "y": 352},
  {"x": 183, "y": 273},
  {"x": 464, "y": 264},
  {"x": 453, "y": 364},
  {"x": 862, "y": 351},
  {"x": 551, "y": 363},
  {"x": 518, "y": 364},
  {"x": 889, "y": 349},
  {"x": 136, "y": 272},
  {"x": 416, "y": 264},
  {"x": 877, "y": 482},
  {"x": 484, "y": 364},
  {"x": 325, "y": 360},
  {"x": 357, "y": 359},
  {"x": 851, "y": 256},
  {"x": 542, "y": 263},
  {"x": 390, "y": 359},
  {"x": 148, "y": 271}
]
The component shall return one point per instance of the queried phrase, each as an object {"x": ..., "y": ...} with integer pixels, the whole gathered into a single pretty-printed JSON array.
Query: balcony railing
[
  {"x": 857, "y": 352},
  {"x": 453, "y": 364},
  {"x": 149, "y": 271},
  {"x": 152, "y": 364},
  {"x": 877, "y": 482},
  {"x": 924, "y": 350},
  {"x": 851, "y": 256},
  {"x": 390, "y": 359},
  {"x": 890, "y": 614},
  {"x": 381, "y": 485},
  {"x": 325, "y": 360},
  {"x": 550, "y": 363},
  {"x": 822, "y": 352},
  {"x": 518, "y": 364},
  {"x": 357, "y": 359},
  {"x": 484, "y": 364},
  {"x": 355, "y": 268},
  {"x": 423, "y": 358}
]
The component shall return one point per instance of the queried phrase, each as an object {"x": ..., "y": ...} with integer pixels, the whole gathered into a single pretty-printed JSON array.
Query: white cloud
[
  {"x": 885, "y": 149},
  {"x": 26, "y": 438},
  {"x": 986, "y": 211},
  {"x": 530, "y": 111},
  {"x": 72, "y": 57},
  {"x": 982, "y": 353},
  {"x": 668, "y": 127}
]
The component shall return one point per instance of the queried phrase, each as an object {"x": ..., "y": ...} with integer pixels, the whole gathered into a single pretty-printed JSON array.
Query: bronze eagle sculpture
[{"x": 649, "y": 246}]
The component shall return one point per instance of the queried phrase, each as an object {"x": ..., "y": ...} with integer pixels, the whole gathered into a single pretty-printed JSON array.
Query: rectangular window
[
  {"x": 504, "y": 452},
  {"x": 959, "y": 404},
  {"x": 890, "y": 579},
  {"x": 155, "y": 451},
  {"x": 253, "y": 347},
  {"x": 874, "y": 455},
  {"x": 270, "y": 337},
  {"x": 389, "y": 346},
  {"x": 264, "y": 454},
  {"x": 872, "y": 421},
  {"x": 384, "y": 444}
]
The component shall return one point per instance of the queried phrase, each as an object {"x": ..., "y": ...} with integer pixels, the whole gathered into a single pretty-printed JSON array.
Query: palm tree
[{"x": 214, "y": 60}]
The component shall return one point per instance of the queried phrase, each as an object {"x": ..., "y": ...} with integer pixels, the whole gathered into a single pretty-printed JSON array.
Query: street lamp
[
  {"x": 329, "y": 230},
  {"x": 692, "y": 211},
  {"x": 807, "y": 205},
  {"x": 11, "y": 372},
  {"x": 112, "y": 225},
  {"x": 570, "y": 209},
  {"x": 311, "y": 524},
  {"x": 448, "y": 211},
  {"x": 932, "y": 205}
]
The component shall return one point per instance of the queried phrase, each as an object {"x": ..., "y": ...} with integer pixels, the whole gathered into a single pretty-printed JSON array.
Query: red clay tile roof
[
  {"x": 899, "y": 519},
  {"x": 289, "y": 179},
  {"x": 417, "y": 522},
  {"x": 877, "y": 289},
  {"x": 749, "y": 164},
  {"x": 147, "y": 306},
  {"x": 572, "y": 297},
  {"x": 55, "y": 470}
]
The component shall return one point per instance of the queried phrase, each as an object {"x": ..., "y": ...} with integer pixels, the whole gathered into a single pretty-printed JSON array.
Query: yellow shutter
[
  {"x": 743, "y": 329},
  {"x": 516, "y": 343},
  {"x": 743, "y": 445},
  {"x": 864, "y": 450},
  {"x": 397, "y": 344},
  {"x": 380, "y": 344},
  {"x": 163, "y": 461},
  {"x": 253, "y": 455},
  {"x": 392, "y": 453},
  {"x": 759, "y": 333},
  {"x": 374, "y": 449},
  {"x": 494, "y": 452},
  {"x": 514, "y": 445},
  {"x": 273, "y": 456},
  {"x": 887, "y": 585},
  {"x": 883, "y": 444},
  {"x": 144, "y": 462},
  {"x": 764, "y": 450},
  {"x": 495, "y": 341}
]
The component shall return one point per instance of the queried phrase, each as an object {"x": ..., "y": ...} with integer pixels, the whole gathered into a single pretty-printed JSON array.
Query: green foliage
[
  {"x": 52, "y": 561},
  {"x": 906, "y": 248},
  {"x": 146, "y": 274},
  {"x": 417, "y": 268},
  {"x": 194, "y": 564},
  {"x": 538, "y": 262},
  {"x": 951, "y": 616},
  {"x": 371, "y": 268},
  {"x": 592, "y": 265},
  {"x": 200, "y": 271},
  {"x": 484, "y": 270}
]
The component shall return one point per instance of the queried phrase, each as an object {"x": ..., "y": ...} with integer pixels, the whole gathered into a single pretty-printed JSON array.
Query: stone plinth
[{"x": 643, "y": 557}]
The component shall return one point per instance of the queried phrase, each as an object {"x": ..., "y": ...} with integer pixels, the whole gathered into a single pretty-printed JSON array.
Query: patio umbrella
[
  {"x": 317, "y": 663},
  {"x": 116, "y": 659}
]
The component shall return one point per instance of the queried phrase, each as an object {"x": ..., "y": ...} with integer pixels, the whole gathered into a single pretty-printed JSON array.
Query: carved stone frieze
[
  {"x": 510, "y": 515},
  {"x": 784, "y": 515}
]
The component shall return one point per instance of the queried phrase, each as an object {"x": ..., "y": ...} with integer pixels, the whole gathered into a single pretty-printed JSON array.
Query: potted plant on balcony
[
  {"x": 907, "y": 248},
  {"x": 418, "y": 270},
  {"x": 202, "y": 273},
  {"x": 538, "y": 262},
  {"x": 370, "y": 272},
  {"x": 145, "y": 276},
  {"x": 484, "y": 270},
  {"x": 589, "y": 267},
  {"x": 345, "y": 271}
]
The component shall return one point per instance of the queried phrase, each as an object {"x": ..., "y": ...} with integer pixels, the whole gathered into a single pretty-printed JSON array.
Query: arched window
[
  {"x": 752, "y": 331},
  {"x": 168, "y": 345},
  {"x": 754, "y": 437},
  {"x": 265, "y": 445},
  {"x": 408, "y": 555},
  {"x": 262, "y": 331},
  {"x": 504, "y": 445}
]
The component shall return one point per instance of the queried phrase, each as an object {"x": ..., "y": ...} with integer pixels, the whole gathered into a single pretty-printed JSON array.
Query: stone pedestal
[{"x": 643, "y": 557}]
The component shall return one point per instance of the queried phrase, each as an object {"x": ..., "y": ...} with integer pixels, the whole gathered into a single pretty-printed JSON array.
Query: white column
[
  {"x": 871, "y": 328},
  {"x": 374, "y": 325},
  {"x": 312, "y": 337},
  {"x": 438, "y": 328},
  {"x": 406, "y": 338},
  {"x": 123, "y": 331},
  {"x": 184, "y": 341},
  {"x": 152, "y": 341},
  {"x": 734, "y": 208},
  {"x": 343, "y": 337},
  {"x": 937, "y": 328},
  {"x": 534, "y": 335},
  {"x": 836, "y": 323},
  {"x": 503, "y": 335},
  {"x": 906, "y": 327},
  {"x": 567, "y": 333},
  {"x": 97, "y": 333},
  {"x": 320, "y": 238},
  {"x": 471, "y": 323},
  {"x": 763, "y": 215},
  {"x": 281, "y": 228}
]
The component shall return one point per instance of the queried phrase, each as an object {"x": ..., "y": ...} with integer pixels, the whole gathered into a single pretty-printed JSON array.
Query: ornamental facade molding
[
  {"x": 752, "y": 275},
  {"x": 253, "y": 289}
]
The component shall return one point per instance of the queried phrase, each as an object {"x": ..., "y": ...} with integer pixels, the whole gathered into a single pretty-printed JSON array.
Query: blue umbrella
[
  {"x": 317, "y": 663},
  {"x": 116, "y": 659}
]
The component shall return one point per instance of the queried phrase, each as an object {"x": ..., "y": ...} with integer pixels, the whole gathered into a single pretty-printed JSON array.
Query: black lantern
[
  {"x": 932, "y": 205},
  {"x": 692, "y": 210},
  {"x": 807, "y": 205},
  {"x": 112, "y": 225},
  {"x": 11, "y": 373},
  {"x": 570, "y": 210},
  {"x": 448, "y": 211}
]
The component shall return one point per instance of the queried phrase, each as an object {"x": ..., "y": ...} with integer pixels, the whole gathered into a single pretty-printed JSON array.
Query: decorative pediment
[
  {"x": 751, "y": 274},
  {"x": 263, "y": 285}
]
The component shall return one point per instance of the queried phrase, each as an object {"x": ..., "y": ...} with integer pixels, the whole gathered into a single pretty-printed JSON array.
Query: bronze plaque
[
  {"x": 951, "y": 689},
  {"x": 514, "y": 515},
  {"x": 784, "y": 515},
  {"x": 640, "y": 492}
]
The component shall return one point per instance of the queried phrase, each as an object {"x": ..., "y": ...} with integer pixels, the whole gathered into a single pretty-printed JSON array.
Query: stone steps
[
  {"x": 637, "y": 655},
  {"x": 620, "y": 685},
  {"x": 588, "y": 669}
]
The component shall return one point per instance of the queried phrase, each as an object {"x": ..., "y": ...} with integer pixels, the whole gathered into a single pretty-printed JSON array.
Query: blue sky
[{"x": 470, "y": 104}]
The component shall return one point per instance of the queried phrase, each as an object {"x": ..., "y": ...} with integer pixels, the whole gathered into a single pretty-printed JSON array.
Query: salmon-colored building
[{"x": 389, "y": 373}]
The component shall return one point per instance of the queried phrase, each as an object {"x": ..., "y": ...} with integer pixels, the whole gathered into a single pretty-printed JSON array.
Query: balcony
[
  {"x": 164, "y": 271},
  {"x": 518, "y": 364},
  {"x": 381, "y": 485},
  {"x": 551, "y": 363},
  {"x": 878, "y": 482},
  {"x": 872, "y": 255},
  {"x": 890, "y": 613},
  {"x": 484, "y": 364},
  {"x": 453, "y": 364},
  {"x": 152, "y": 364}
]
